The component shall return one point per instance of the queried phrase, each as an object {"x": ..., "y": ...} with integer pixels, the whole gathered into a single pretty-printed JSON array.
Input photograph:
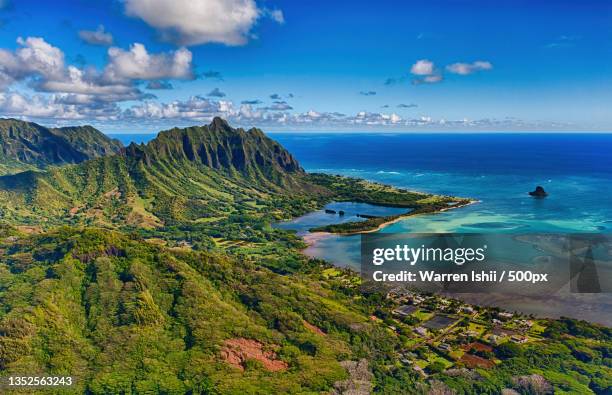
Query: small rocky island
[{"x": 539, "y": 192}]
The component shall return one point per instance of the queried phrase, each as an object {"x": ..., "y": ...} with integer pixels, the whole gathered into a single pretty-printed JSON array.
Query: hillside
[
  {"x": 124, "y": 316},
  {"x": 157, "y": 270},
  {"x": 27, "y": 145},
  {"x": 186, "y": 175}
]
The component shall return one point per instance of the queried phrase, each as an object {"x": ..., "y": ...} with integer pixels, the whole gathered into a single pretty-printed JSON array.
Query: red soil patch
[
  {"x": 473, "y": 361},
  {"x": 314, "y": 329},
  {"x": 237, "y": 351},
  {"x": 29, "y": 229},
  {"x": 478, "y": 347}
]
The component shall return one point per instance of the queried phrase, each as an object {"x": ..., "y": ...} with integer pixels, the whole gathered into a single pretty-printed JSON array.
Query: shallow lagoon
[{"x": 320, "y": 218}]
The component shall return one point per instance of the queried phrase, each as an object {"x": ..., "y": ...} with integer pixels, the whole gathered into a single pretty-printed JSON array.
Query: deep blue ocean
[{"x": 496, "y": 168}]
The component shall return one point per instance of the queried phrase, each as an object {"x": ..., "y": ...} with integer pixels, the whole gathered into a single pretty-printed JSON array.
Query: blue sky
[{"x": 329, "y": 65}]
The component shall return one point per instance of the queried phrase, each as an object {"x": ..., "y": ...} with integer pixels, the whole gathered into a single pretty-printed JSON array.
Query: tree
[
  {"x": 508, "y": 350},
  {"x": 435, "y": 367}
]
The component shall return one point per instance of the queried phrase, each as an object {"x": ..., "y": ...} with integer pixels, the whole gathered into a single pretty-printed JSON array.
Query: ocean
[{"x": 498, "y": 169}]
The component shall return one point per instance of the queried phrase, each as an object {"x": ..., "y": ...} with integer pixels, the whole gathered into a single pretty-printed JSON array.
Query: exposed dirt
[
  {"x": 237, "y": 351},
  {"x": 478, "y": 347},
  {"x": 29, "y": 229},
  {"x": 473, "y": 361},
  {"x": 314, "y": 329}
]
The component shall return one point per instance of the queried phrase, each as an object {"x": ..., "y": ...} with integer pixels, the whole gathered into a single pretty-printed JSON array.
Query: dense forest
[{"x": 157, "y": 270}]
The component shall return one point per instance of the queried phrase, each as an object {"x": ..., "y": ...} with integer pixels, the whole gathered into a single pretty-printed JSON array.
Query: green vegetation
[
  {"x": 28, "y": 146},
  {"x": 157, "y": 270}
]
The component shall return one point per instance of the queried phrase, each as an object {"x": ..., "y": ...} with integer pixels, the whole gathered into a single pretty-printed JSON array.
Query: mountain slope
[
  {"x": 195, "y": 174},
  {"x": 124, "y": 316},
  {"x": 182, "y": 175},
  {"x": 27, "y": 145}
]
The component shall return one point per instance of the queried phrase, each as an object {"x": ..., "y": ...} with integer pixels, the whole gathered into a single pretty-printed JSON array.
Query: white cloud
[
  {"x": 35, "y": 57},
  {"x": 74, "y": 108},
  {"x": 422, "y": 67},
  {"x": 56, "y": 107},
  {"x": 196, "y": 108},
  {"x": 96, "y": 37},
  {"x": 89, "y": 82},
  {"x": 139, "y": 64},
  {"x": 43, "y": 67},
  {"x": 189, "y": 22},
  {"x": 469, "y": 68}
]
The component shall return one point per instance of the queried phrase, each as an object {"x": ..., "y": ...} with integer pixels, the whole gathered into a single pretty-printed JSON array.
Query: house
[
  {"x": 417, "y": 299},
  {"x": 518, "y": 339},
  {"x": 421, "y": 331},
  {"x": 467, "y": 309},
  {"x": 505, "y": 316},
  {"x": 444, "y": 347}
]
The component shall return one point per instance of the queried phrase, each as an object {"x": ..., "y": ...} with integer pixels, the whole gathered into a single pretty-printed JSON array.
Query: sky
[{"x": 137, "y": 66}]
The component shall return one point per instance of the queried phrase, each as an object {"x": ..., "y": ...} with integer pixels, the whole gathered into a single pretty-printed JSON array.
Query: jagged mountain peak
[{"x": 219, "y": 146}]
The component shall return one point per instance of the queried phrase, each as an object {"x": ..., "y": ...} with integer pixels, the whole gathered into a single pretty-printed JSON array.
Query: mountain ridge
[
  {"x": 30, "y": 146},
  {"x": 183, "y": 174}
]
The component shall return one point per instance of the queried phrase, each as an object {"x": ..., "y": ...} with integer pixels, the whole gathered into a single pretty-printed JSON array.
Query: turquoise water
[{"x": 497, "y": 169}]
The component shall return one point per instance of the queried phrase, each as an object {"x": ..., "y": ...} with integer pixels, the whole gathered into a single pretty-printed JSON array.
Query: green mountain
[
  {"x": 121, "y": 315},
  {"x": 186, "y": 175},
  {"x": 27, "y": 145},
  {"x": 156, "y": 271}
]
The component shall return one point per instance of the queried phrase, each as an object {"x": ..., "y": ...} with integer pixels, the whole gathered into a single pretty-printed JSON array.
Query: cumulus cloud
[
  {"x": 159, "y": 85},
  {"x": 425, "y": 72},
  {"x": 96, "y": 37},
  {"x": 73, "y": 90},
  {"x": 36, "y": 57},
  {"x": 89, "y": 82},
  {"x": 367, "y": 93},
  {"x": 54, "y": 107},
  {"x": 188, "y": 22},
  {"x": 469, "y": 68},
  {"x": 275, "y": 96},
  {"x": 139, "y": 64},
  {"x": 216, "y": 93},
  {"x": 422, "y": 67},
  {"x": 196, "y": 108}
]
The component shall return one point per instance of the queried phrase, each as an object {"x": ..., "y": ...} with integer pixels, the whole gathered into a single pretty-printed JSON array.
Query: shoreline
[
  {"x": 397, "y": 219},
  {"x": 311, "y": 238},
  {"x": 404, "y": 216}
]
